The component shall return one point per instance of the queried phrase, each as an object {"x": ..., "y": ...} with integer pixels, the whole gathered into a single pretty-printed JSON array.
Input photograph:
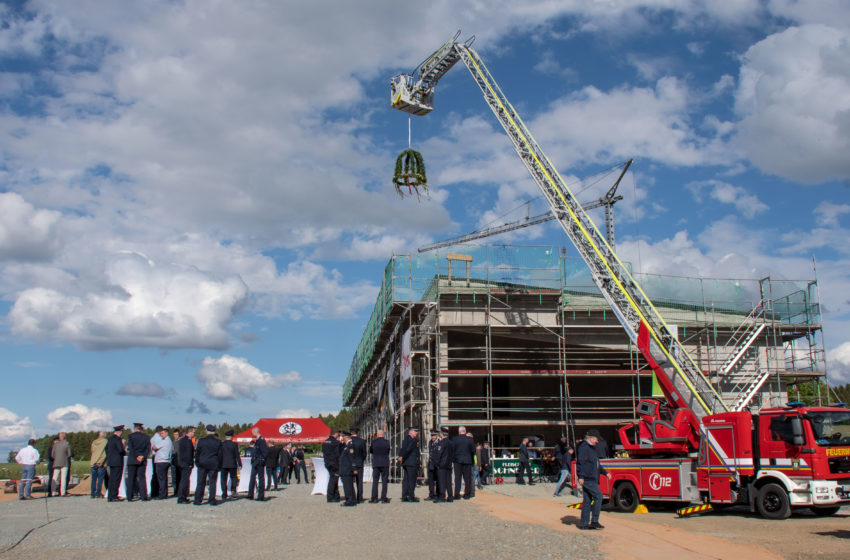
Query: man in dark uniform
[
  {"x": 359, "y": 445},
  {"x": 485, "y": 463},
  {"x": 432, "y": 466},
  {"x": 300, "y": 465},
  {"x": 258, "y": 466},
  {"x": 185, "y": 463},
  {"x": 175, "y": 468},
  {"x": 286, "y": 463},
  {"x": 444, "y": 452},
  {"x": 410, "y": 463},
  {"x": 464, "y": 451},
  {"x": 330, "y": 452},
  {"x": 588, "y": 471},
  {"x": 380, "y": 450},
  {"x": 230, "y": 461},
  {"x": 347, "y": 470},
  {"x": 138, "y": 449},
  {"x": 115, "y": 461},
  {"x": 524, "y": 464},
  {"x": 271, "y": 467},
  {"x": 207, "y": 458}
]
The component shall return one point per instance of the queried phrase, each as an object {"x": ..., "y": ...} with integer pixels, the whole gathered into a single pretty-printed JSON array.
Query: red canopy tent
[{"x": 288, "y": 430}]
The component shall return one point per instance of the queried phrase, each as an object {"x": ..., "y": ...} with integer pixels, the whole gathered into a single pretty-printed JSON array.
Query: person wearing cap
[
  {"x": 444, "y": 457},
  {"x": 588, "y": 470},
  {"x": 115, "y": 452},
  {"x": 359, "y": 460},
  {"x": 229, "y": 460},
  {"x": 97, "y": 464},
  {"x": 347, "y": 471},
  {"x": 162, "y": 447},
  {"x": 380, "y": 450},
  {"x": 410, "y": 460},
  {"x": 432, "y": 466},
  {"x": 524, "y": 464},
  {"x": 138, "y": 449},
  {"x": 185, "y": 464},
  {"x": 258, "y": 466},
  {"x": 207, "y": 459},
  {"x": 330, "y": 453}
]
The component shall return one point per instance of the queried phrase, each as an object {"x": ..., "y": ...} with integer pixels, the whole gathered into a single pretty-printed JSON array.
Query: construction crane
[
  {"x": 607, "y": 202},
  {"x": 683, "y": 383}
]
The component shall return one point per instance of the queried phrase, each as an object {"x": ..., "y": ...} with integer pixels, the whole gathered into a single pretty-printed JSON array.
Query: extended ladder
[{"x": 683, "y": 382}]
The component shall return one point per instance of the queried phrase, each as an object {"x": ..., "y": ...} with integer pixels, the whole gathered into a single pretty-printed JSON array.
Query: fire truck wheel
[
  {"x": 773, "y": 502},
  {"x": 626, "y": 498},
  {"x": 825, "y": 511}
]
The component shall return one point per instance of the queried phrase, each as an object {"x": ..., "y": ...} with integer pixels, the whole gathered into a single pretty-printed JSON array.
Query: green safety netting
[{"x": 679, "y": 299}]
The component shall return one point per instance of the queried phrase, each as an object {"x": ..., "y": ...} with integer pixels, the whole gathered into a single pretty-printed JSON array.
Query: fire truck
[
  {"x": 779, "y": 459},
  {"x": 691, "y": 446}
]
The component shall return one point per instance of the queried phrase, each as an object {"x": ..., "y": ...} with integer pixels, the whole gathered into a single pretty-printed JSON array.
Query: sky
[{"x": 196, "y": 204}]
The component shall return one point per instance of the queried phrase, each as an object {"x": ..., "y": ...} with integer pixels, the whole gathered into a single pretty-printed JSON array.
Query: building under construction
[{"x": 514, "y": 341}]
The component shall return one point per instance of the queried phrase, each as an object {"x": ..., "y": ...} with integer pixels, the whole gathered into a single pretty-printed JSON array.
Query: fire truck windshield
[{"x": 831, "y": 428}]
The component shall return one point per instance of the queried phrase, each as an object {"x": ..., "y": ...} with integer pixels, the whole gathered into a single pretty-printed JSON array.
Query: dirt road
[{"x": 660, "y": 534}]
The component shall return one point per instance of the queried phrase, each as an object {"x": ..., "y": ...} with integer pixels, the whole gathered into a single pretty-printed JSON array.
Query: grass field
[{"x": 13, "y": 470}]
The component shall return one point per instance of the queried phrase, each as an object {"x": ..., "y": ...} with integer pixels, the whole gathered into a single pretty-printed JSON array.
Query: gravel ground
[{"x": 292, "y": 521}]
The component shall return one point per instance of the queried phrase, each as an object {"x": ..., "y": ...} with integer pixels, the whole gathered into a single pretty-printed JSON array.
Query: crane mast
[{"x": 683, "y": 383}]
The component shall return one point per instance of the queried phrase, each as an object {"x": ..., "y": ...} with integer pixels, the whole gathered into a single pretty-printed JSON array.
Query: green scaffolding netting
[{"x": 679, "y": 299}]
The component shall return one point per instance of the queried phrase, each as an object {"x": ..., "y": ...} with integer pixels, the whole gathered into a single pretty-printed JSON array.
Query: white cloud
[
  {"x": 747, "y": 204},
  {"x": 13, "y": 428},
  {"x": 26, "y": 234},
  {"x": 80, "y": 418},
  {"x": 839, "y": 364},
  {"x": 143, "y": 389},
  {"x": 829, "y": 212},
  {"x": 139, "y": 303},
  {"x": 793, "y": 98},
  {"x": 294, "y": 413},
  {"x": 231, "y": 377}
]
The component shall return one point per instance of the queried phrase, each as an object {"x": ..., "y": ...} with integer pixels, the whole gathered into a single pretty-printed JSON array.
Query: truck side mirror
[{"x": 797, "y": 431}]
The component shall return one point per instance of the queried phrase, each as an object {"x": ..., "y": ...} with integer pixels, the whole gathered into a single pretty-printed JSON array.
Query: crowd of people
[
  {"x": 173, "y": 455},
  {"x": 345, "y": 454}
]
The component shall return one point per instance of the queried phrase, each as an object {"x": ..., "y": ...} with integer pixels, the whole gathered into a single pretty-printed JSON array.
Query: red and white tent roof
[{"x": 287, "y": 430}]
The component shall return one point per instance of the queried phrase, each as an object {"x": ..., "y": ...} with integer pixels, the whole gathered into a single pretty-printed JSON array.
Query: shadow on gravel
[
  {"x": 838, "y": 534},
  {"x": 569, "y": 520}
]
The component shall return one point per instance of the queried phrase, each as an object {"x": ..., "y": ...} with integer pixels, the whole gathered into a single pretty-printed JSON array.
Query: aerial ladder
[
  {"x": 607, "y": 202},
  {"x": 681, "y": 380}
]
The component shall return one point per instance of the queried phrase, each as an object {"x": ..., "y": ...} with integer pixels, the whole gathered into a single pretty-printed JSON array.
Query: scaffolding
[{"x": 519, "y": 341}]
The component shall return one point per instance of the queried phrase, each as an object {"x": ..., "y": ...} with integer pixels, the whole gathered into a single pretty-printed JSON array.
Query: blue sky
[{"x": 196, "y": 200}]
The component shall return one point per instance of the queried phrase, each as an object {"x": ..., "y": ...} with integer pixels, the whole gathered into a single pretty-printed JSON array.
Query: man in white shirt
[
  {"x": 28, "y": 459},
  {"x": 162, "y": 446}
]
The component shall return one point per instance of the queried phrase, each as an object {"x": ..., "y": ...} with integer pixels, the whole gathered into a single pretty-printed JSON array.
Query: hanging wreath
[{"x": 410, "y": 172}]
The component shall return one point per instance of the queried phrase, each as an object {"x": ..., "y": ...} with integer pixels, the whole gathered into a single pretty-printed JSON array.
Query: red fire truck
[{"x": 773, "y": 461}]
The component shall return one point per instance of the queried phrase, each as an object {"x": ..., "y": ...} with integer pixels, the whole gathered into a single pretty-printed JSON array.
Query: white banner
[
  {"x": 406, "y": 361},
  {"x": 391, "y": 395}
]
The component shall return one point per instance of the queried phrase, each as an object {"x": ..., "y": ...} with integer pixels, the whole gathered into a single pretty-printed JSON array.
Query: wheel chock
[
  {"x": 641, "y": 509},
  {"x": 693, "y": 510}
]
